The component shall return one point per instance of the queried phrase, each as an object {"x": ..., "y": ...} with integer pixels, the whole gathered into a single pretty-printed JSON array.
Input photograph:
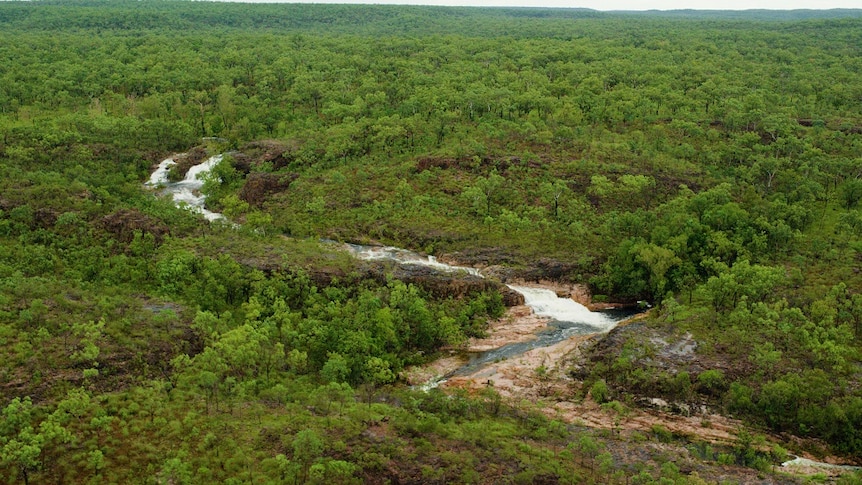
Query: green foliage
[
  {"x": 711, "y": 381},
  {"x": 851, "y": 193},
  {"x": 653, "y": 158},
  {"x": 600, "y": 392},
  {"x": 741, "y": 281},
  {"x": 662, "y": 434}
]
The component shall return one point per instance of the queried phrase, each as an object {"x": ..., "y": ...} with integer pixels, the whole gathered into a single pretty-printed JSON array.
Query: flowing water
[
  {"x": 567, "y": 317},
  {"x": 799, "y": 461},
  {"x": 404, "y": 256},
  {"x": 186, "y": 193}
]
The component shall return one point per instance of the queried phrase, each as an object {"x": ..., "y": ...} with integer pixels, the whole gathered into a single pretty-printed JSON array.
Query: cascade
[
  {"x": 186, "y": 192},
  {"x": 403, "y": 256},
  {"x": 546, "y": 303},
  {"x": 567, "y": 317}
]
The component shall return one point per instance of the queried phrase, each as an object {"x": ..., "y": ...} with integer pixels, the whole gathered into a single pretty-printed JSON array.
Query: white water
[
  {"x": 404, "y": 256},
  {"x": 186, "y": 192},
  {"x": 546, "y": 303},
  {"x": 799, "y": 461}
]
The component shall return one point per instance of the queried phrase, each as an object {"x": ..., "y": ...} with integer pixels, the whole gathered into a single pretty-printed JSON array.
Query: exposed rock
[
  {"x": 455, "y": 285},
  {"x": 549, "y": 269},
  {"x": 186, "y": 161},
  {"x": 259, "y": 185},
  {"x": 44, "y": 217},
  {"x": 124, "y": 222},
  {"x": 323, "y": 277},
  {"x": 278, "y": 153},
  {"x": 511, "y": 297},
  {"x": 241, "y": 162},
  {"x": 519, "y": 324},
  {"x": 683, "y": 349},
  {"x": 507, "y": 267}
]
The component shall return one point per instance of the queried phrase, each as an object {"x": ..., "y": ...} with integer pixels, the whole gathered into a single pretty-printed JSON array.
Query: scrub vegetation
[{"x": 707, "y": 163}]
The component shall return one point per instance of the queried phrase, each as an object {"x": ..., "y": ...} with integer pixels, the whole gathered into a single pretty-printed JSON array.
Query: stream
[
  {"x": 567, "y": 317},
  {"x": 186, "y": 192},
  {"x": 404, "y": 256}
]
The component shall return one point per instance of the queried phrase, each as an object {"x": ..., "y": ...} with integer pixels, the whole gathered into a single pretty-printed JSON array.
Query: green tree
[
  {"x": 851, "y": 193},
  {"x": 377, "y": 372},
  {"x": 307, "y": 448},
  {"x": 22, "y": 444},
  {"x": 484, "y": 192},
  {"x": 658, "y": 261},
  {"x": 743, "y": 279}
]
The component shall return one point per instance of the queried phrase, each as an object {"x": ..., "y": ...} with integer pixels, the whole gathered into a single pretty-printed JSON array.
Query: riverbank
[{"x": 542, "y": 377}]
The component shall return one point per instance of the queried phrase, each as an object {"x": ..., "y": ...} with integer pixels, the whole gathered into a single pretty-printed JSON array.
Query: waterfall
[
  {"x": 160, "y": 176},
  {"x": 546, "y": 303},
  {"x": 564, "y": 311},
  {"x": 186, "y": 192}
]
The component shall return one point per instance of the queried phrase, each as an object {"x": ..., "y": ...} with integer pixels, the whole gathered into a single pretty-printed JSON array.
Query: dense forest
[{"x": 708, "y": 163}]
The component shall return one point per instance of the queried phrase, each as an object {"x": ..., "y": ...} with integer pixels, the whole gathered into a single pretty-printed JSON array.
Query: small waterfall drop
[
  {"x": 160, "y": 176},
  {"x": 186, "y": 192},
  {"x": 546, "y": 303},
  {"x": 567, "y": 317}
]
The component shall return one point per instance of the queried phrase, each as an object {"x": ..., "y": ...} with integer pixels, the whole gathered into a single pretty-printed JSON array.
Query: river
[{"x": 566, "y": 317}]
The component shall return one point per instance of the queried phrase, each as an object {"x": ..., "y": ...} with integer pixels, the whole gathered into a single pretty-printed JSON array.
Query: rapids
[
  {"x": 186, "y": 192},
  {"x": 567, "y": 317}
]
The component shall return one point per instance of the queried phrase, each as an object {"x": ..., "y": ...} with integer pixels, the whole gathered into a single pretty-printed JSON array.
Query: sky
[{"x": 617, "y": 4}]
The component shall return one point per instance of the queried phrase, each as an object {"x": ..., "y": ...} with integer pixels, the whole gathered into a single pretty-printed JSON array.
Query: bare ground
[{"x": 540, "y": 376}]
